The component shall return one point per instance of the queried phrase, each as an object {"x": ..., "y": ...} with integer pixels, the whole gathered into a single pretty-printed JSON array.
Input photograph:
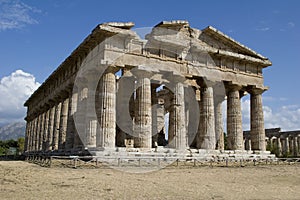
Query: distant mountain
[{"x": 12, "y": 131}]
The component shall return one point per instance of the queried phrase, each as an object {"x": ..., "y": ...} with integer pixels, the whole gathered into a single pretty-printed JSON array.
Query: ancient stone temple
[{"x": 120, "y": 91}]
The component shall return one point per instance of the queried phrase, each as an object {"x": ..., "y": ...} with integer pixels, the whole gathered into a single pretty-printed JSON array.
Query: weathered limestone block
[
  {"x": 257, "y": 132},
  {"x": 207, "y": 136},
  {"x": 177, "y": 136},
  {"x": 143, "y": 115},
  {"x": 107, "y": 111},
  {"x": 234, "y": 119}
]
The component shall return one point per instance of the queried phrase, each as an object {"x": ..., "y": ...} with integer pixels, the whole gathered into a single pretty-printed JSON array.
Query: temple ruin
[{"x": 120, "y": 92}]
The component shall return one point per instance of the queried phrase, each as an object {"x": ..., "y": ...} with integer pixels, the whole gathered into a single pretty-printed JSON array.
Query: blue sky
[{"x": 36, "y": 36}]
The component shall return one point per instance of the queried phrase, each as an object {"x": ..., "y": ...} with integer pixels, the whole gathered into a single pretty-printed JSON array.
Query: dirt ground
[{"x": 23, "y": 180}]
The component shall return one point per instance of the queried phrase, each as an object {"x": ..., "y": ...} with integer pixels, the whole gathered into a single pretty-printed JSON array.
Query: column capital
[
  {"x": 254, "y": 90},
  {"x": 232, "y": 87}
]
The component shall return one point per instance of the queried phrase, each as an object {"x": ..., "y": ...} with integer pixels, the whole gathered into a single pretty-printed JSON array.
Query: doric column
[
  {"x": 298, "y": 144},
  {"x": 71, "y": 129},
  {"x": 295, "y": 146},
  {"x": 279, "y": 146},
  {"x": 126, "y": 88},
  {"x": 143, "y": 113},
  {"x": 154, "y": 116},
  {"x": 41, "y": 136},
  {"x": 107, "y": 111},
  {"x": 207, "y": 136},
  {"x": 286, "y": 149},
  {"x": 63, "y": 124},
  {"x": 50, "y": 129},
  {"x": 234, "y": 119},
  {"x": 177, "y": 135},
  {"x": 38, "y": 133},
  {"x": 56, "y": 126},
  {"x": 45, "y": 135},
  {"x": 33, "y": 135},
  {"x": 91, "y": 117},
  {"x": 27, "y": 136},
  {"x": 219, "y": 122},
  {"x": 80, "y": 115},
  {"x": 257, "y": 133}
]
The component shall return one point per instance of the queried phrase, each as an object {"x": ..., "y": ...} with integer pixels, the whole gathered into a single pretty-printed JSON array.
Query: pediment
[{"x": 219, "y": 40}]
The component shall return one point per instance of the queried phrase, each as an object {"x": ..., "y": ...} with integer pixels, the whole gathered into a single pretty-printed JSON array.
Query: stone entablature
[{"x": 174, "y": 70}]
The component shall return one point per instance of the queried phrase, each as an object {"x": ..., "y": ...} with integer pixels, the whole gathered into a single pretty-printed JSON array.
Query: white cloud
[
  {"x": 14, "y": 90},
  {"x": 263, "y": 29},
  {"x": 291, "y": 24},
  {"x": 16, "y": 14}
]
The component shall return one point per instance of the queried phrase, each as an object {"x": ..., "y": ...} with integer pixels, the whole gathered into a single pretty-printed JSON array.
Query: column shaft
[
  {"x": 234, "y": 120},
  {"x": 45, "y": 135},
  {"x": 177, "y": 135},
  {"x": 91, "y": 117},
  {"x": 219, "y": 125},
  {"x": 257, "y": 132},
  {"x": 80, "y": 116},
  {"x": 51, "y": 127},
  {"x": 38, "y": 131},
  {"x": 107, "y": 111},
  {"x": 56, "y": 126},
  {"x": 207, "y": 136},
  {"x": 143, "y": 115},
  {"x": 71, "y": 124},
  {"x": 63, "y": 124}
]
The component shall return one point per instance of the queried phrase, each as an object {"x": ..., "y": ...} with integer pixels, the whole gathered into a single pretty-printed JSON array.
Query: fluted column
[
  {"x": 27, "y": 136},
  {"x": 71, "y": 129},
  {"x": 295, "y": 146},
  {"x": 234, "y": 119},
  {"x": 50, "y": 128},
  {"x": 80, "y": 115},
  {"x": 107, "y": 111},
  {"x": 38, "y": 133},
  {"x": 279, "y": 146},
  {"x": 177, "y": 135},
  {"x": 286, "y": 149},
  {"x": 219, "y": 122},
  {"x": 56, "y": 126},
  {"x": 63, "y": 124},
  {"x": 91, "y": 117},
  {"x": 207, "y": 136},
  {"x": 143, "y": 115},
  {"x": 42, "y": 120},
  {"x": 126, "y": 88},
  {"x": 45, "y": 135},
  {"x": 257, "y": 132},
  {"x": 33, "y": 130}
]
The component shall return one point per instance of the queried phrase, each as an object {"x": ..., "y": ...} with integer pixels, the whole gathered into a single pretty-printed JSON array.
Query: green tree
[{"x": 21, "y": 143}]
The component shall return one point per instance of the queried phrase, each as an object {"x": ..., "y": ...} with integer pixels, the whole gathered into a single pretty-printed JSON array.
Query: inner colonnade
[{"x": 115, "y": 90}]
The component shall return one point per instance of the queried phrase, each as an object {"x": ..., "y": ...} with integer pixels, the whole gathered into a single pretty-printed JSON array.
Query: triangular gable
[{"x": 217, "y": 39}]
